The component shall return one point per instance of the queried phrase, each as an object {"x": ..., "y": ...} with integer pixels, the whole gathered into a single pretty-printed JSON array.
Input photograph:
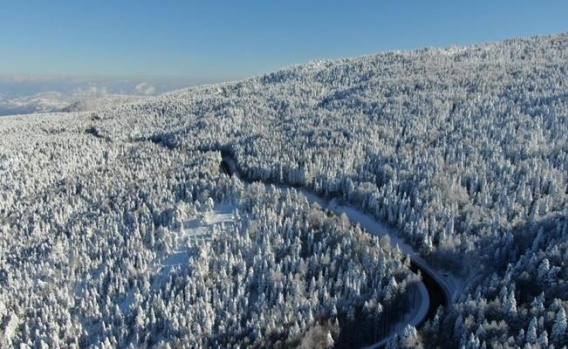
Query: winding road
[{"x": 439, "y": 290}]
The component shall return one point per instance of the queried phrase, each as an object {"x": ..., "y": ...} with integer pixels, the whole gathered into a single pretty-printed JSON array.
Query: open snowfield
[{"x": 218, "y": 221}]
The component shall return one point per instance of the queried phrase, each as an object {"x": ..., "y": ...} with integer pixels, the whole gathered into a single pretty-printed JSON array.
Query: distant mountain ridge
[{"x": 39, "y": 94}]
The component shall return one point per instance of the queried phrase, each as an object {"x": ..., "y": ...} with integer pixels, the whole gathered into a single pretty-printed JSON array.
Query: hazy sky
[{"x": 232, "y": 39}]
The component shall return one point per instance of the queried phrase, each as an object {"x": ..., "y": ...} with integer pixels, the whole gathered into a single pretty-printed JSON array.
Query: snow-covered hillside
[{"x": 463, "y": 151}]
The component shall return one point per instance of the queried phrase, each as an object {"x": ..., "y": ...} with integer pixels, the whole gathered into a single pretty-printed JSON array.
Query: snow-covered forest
[{"x": 118, "y": 227}]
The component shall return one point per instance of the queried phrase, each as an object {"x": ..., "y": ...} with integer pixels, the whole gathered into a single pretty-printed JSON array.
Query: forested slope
[{"x": 464, "y": 150}]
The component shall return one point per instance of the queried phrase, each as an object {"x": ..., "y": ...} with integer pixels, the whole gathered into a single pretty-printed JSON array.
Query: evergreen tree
[{"x": 559, "y": 327}]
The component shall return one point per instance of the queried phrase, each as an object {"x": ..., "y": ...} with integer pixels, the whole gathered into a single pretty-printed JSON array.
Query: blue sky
[{"x": 220, "y": 40}]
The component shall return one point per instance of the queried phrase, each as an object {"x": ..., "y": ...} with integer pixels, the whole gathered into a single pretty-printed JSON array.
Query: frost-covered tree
[
  {"x": 559, "y": 327},
  {"x": 461, "y": 150}
]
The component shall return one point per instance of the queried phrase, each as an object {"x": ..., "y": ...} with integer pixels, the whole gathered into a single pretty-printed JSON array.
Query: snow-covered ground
[
  {"x": 194, "y": 230},
  {"x": 201, "y": 227}
]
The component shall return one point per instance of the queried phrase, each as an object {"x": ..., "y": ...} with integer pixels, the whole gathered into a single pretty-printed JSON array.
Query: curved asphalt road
[{"x": 438, "y": 289}]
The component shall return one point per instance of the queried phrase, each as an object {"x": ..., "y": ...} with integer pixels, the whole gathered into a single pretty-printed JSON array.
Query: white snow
[
  {"x": 195, "y": 229},
  {"x": 201, "y": 227}
]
